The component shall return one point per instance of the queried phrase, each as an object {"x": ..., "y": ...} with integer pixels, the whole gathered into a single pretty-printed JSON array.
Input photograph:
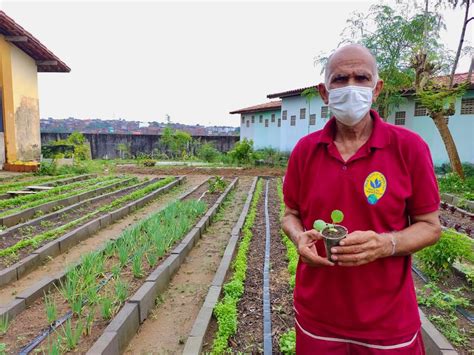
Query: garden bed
[{"x": 127, "y": 270}]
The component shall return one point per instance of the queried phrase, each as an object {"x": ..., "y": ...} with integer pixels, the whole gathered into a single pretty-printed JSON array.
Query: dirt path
[
  {"x": 166, "y": 329},
  {"x": 73, "y": 255}
]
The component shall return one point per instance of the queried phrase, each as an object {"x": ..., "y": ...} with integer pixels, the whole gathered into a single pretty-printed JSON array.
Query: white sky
[{"x": 195, "y": 61}]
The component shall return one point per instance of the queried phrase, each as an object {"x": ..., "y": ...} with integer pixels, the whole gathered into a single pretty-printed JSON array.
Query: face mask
[{"x": 350, "y": 104}]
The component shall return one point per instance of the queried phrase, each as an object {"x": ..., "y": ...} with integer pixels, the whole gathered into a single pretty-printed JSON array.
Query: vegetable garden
[{"x": 122, "y": 263}]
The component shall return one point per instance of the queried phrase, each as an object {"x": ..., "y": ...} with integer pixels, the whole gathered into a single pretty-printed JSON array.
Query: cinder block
[
  {"x": 141, "y": 202},
  {"x": 125, "y": 324},
  {"x": 13, "y": 219},
  {"x": 173, "y": 262},
  {"x": 107, "y": 344},
  {"x": 27, "y": 264},
  {"x": 201, "y": 323},
  {"x": 201, "y": 225},
  {"x": 14, "y": 308},
  {"x": 212, "y": 296},
  {"x": 145, "y": 298},
  {"x": 72, "y": 238},
  {"x": 105, "y": 220},
  {"x": 161, "y": 277},
  {"x": 92, "y": 226},
  {"x": 120, "y": 213},
  {"x": 36, "y": 291},
  {"x": 8, "y": 275},
  {"x": 47, "y": 251},
  {"x": 435, "y": 342},
  {"x": 193, "y": 346}
]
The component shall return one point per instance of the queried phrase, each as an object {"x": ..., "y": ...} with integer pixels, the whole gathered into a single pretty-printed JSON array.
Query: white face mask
[{"x": 351, "y": 103}]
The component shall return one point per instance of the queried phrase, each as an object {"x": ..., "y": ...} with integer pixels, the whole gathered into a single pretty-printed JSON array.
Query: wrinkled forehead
[{"x": 350, "y": 62}]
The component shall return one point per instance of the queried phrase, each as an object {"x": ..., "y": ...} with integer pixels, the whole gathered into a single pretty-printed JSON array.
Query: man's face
[{"x": 350, "y": 67}]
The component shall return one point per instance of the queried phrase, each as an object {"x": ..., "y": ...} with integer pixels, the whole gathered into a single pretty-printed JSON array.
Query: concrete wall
[
  {"x": 263, "y": 137},
  {"x": 106, "y": 145},
  {"x": 26, "y": 106}
]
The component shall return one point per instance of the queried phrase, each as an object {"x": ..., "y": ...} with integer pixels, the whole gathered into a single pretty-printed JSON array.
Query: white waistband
[{"x": 373, "y": 346}]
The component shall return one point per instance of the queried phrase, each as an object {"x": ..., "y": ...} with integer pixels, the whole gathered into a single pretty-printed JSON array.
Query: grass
[
  {"x": 20, "y": 184},
  {"x": 226, "y": 309}
]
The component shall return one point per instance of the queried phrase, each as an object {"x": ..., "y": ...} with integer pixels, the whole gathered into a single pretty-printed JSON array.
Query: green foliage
[
  {"x": 437, "y": 259},
  {"x": 51, "y": 309},
  {"x": 72, "y": 334},
  {"x": 81, "y": 147},
  {"x": 437, "y": 99},
  {"x": 445, "y": 303},
  {"x": 106, "y": 308},
  {"x": 242, "y": 153},
  {"x": 216, "y": 184},
  {"x": 288, "y": 342},
  {"x": 207, "y": 152},
  {"x": 337, "y": 216},
  {"x": 226, "y": 309},
  {"x": 175, "y": 143},
  {"x": 270, "y": 157},
  {"x": 452, "y": 183},
  {"x": 4, "y": 324},
  {"x": 148, "y": 162}
]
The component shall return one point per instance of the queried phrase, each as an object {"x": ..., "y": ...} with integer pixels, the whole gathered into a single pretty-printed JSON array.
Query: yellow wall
[{"x": 18, "y": 81}]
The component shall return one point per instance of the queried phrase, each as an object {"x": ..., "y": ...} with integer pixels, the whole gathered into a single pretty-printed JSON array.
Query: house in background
[
  {"x": 261, "y": 123},
  {"x": 300, "y": 116},
  {"x": 22, "y": 56}
]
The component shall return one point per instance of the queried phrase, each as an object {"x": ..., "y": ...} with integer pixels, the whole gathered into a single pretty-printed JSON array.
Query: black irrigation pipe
[
  {"x": 465, "y": 313},
  {"x": 267, "y": 317},
  {"x": 58, "y": 322}
]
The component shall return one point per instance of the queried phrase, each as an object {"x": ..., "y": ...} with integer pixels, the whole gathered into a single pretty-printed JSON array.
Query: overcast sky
[{"x": 195, "y": 61}]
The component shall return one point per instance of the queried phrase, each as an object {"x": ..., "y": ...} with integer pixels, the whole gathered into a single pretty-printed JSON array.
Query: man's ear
[
  {"x": 324, "y": 93},
  {"x": 377, "y": 90}
]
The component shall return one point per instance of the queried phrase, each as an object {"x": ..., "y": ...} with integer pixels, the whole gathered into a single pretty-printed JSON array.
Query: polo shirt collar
[{"x": 379, "y": 137}]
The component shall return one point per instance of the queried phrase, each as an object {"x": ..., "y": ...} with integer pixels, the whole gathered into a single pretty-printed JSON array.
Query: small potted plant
[{"x": 332, "y": 233}]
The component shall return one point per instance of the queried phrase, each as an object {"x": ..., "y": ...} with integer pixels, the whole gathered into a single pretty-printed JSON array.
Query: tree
[{"x": 309, "y": 94}]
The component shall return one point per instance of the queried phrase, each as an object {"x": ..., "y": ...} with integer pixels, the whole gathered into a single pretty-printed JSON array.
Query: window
[
  {"x": 253, "y": 119},
  {"x": 420, "y": 110},
  {"x": 273, "y": 117},
  {"x": 243, "y": 119},
  {"x": 260, "y": 119},
  {"x": 324, "y": 112},
  {"x": 279, "y": 122},
  {"x": 467, "y": 106},
  {"x": 312, "y": 119},
  {"x": 248, "y": 123},
  {"x": 400, "y": 118},
  {"x": 266, "y": 123},
  {"x": 302, "y": 113},
  {"x": 284, "y": 115},
  {"x": 293, "y": 121}
]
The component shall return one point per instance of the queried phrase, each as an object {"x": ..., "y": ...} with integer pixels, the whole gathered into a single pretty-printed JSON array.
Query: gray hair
[{"x": 375, "y": 70}]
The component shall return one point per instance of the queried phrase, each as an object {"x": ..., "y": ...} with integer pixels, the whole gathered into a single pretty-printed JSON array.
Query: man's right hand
[{"x": 306, "y": 245}]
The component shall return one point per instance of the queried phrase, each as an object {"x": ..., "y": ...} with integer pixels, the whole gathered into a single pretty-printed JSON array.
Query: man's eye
[{"x": 362, "y": 78}]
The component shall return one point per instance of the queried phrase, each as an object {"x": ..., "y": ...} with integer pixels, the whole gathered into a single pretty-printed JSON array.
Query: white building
[{"x": 300, "y": 116}]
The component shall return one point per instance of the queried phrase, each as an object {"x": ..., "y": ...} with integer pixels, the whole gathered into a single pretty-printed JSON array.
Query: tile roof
[
  {"x": 268, "y": 106},
  {"x": 458, "y": 78},
  {"x": 45, "y": 59}
]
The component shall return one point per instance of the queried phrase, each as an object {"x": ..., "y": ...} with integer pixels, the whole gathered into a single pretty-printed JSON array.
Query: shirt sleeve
[
  {"x": 291, "y": 182},
  {"x": 425, "y": 193}
]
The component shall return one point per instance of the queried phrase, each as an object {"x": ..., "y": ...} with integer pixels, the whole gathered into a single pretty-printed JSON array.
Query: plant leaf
[
  {"x": 337, "y": 216},
  {"x": 319, "y": 225}
]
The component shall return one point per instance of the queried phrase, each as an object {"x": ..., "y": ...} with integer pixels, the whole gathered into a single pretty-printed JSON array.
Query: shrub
[
  {"x": 148, "y": 162},
  {"x": 242, "y": 153},
  {"x": 437, "y": 259},
  {"x": 208, "y": 153}
]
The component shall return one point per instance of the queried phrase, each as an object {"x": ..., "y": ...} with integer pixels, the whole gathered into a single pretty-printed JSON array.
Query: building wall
[
  {"x": 26, "y": 106},
  {"x": 290, "y": 135},
  {"x": 263, "y": 137},
  {"x": 461, "y": 127}
]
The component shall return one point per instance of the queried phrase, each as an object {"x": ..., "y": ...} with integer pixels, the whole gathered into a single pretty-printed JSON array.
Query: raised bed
[
  {"x": 81, "y": 232},
  {"x": 29, "y": 206},
  {"x": 98, "y": 326}
]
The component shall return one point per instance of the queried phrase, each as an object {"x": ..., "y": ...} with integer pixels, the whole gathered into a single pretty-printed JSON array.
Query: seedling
[
  {"x": 4, "y": 324},
  {"x": 336, "y": 216},
  {"x": 90, "y": 321},
  {"x": 121, "y": 290},
  {"x": 72, "y": 335},
  {"x": 51, "y": 310},
  {"x": 216, "y": 184},
  {"x": 106, "y": 308},
  {"x": 137, "y": 268}
]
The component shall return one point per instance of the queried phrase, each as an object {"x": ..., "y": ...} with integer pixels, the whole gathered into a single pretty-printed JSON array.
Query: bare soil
[
  {"x": 463, "y": 325},
  {"x": 167, "y": 328},
  {"x": 454, "y": 219},
  {"x": 186, "y": 170},
  {"x": 74, "y": 254}
]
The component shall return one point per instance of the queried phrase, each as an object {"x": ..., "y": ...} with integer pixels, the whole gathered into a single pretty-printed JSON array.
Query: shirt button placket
[{"x": 344, "y": 167}]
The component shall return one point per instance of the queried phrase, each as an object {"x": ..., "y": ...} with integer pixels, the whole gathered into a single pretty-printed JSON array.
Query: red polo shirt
[{"x": 390, "y": 178}]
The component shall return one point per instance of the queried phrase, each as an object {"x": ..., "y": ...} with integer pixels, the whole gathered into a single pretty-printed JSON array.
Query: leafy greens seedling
[{"x": 337, "y": 217}]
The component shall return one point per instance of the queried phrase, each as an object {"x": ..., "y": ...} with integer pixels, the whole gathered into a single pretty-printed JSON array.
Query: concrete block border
[
  {"x": 435, "y": 342},
  {"x": 453, "y": 200},
  {"x": 201, "y": 324},
  {"x": 120, "y": 331},
  {"x": 31, "y": 294},
  {"x": 15, "y": 218}
]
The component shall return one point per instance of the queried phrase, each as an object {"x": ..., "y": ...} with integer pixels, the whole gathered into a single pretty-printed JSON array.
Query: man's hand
[
  {"x": 362, "y": 247},
  {"x": 305, "y": 243}
]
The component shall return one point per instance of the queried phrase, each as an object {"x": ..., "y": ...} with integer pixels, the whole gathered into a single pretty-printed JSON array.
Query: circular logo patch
[{"x": 374, "y": 187}]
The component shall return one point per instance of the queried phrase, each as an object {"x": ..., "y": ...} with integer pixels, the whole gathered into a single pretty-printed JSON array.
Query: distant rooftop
[
  {"x": 268, "y": 106},
  {"x": 46, "y": 60}
]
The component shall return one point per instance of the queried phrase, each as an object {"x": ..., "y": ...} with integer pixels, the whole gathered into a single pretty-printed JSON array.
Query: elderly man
[{"x": 381, "y": 176}]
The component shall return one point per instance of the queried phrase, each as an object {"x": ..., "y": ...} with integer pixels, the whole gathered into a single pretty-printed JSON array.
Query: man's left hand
[{"x": 361, "y": 247}]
